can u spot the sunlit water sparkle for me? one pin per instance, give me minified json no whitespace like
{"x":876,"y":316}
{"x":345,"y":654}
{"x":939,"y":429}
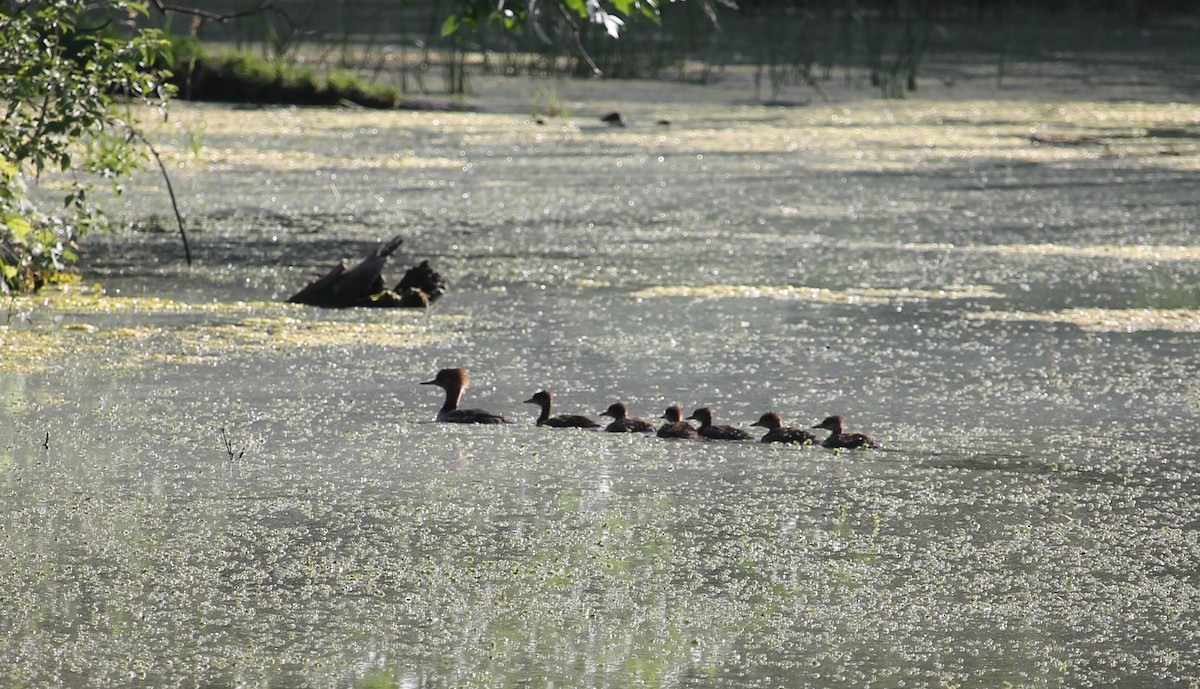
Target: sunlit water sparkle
{"x":997,"y":310}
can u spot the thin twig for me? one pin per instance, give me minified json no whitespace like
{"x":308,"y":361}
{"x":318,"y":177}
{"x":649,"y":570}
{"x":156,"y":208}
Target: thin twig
{"x":263,"y":7}
{"x":233,"y":456}
{"x":187,"y":252}
{"x":579,"y":49}
{"x":90,"y":30}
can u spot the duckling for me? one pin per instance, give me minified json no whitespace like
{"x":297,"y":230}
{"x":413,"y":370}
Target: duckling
{"x":623,"y":423}
{"x":778,"y":433}
{"x":676,"y":427}
{"x":712,"y":432}
{"x":543,"y":400}
{"x":839,"y":438}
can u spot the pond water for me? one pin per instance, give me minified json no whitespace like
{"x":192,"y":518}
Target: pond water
{"x":1003,"y":288}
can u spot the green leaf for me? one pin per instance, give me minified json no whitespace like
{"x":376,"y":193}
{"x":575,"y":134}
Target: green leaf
{"x":650,"y":11}
{"x":451,"y":25}
{"x":578,"y":6}
{"x":18,"y":227}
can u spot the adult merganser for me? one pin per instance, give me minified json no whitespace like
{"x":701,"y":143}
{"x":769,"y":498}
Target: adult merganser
{"x":840,"y":439}
{"x":453,"y":380}
{"x":676,"y":427}
{"x":778,"y":433}
{"x":622,"y":423}
{"x":708,"y":430}
{"x":543,"y":399}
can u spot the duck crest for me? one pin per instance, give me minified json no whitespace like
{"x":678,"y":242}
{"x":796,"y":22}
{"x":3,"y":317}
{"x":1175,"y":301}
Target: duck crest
{"x":454,"y":381}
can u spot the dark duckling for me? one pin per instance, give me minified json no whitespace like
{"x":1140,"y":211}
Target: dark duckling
{"x":453,"y":381}
{"x":716,"y":432}
{"x":613,"y":119}
{"x":839,"y":438}
{"x":623,"y":423}
{"x":778,"y":433}
{"x":676,"y":427}
{"x":543,"y":400}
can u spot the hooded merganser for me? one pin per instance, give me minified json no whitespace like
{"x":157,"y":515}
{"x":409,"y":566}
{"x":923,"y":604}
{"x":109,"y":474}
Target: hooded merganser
{"x":622,"y":423}
{"x":838,"y":438}
{"x":712,"y":432}
{"x":676,"y":427}
{"x":542,"y":399}
{"x":778,"y":433}
{"x":453,"y":380}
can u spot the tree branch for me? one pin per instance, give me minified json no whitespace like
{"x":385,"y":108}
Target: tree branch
{"x":263,"y":6}
{"x":579,"y":49}
{"x":187,"y":252}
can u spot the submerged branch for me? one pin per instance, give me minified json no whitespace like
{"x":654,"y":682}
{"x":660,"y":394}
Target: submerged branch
{"x":187,"y":252}
{"x":234,"y":455}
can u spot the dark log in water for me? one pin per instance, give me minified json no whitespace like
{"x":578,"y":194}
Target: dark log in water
{"x":363,"y":285}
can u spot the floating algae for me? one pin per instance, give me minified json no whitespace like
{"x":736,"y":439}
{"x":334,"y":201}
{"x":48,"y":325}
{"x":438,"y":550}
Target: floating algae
{"x":28,"y":351}
{"x":93,"y":299}
{"x":1106,"y":320}
{"x":284,"y":332}
{"x":853,"y":295}
{"x":274,"y":326}
{"x":1134,"y":252}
